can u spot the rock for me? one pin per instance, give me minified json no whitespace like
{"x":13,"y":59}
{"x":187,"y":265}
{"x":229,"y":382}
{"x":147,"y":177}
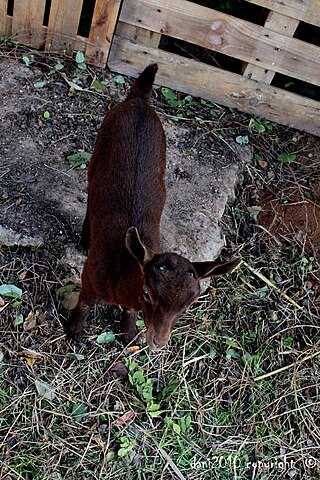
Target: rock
{"x":11,"y":238}
{"x":198,"y":189}
{"x":73,"y":259}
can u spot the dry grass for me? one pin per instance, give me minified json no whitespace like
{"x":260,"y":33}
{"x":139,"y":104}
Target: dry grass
{"x":216,"y":415}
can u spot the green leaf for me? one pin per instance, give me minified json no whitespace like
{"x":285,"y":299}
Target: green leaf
{"x":100,"y":86}
{"x":288,"y":84}
{"x":68,"y":295}
{"x":46,"y":114}
{"x":126,"y":446}
{"x":176,"y":428}
{"x":79,"y":57}
{"x":58,"y":66}
{"x":78,"y":411}
{"x":231,"y":343}
{"x":189,"y":99}
{"x":155,"y":414}
{"x":45,"y":389}
{"x":287,"y":157}
{"x":16,"y":304}
{"x":138,"y":377}
{"x":248,"y":358}
{"x":10,"y":291}
{"x":39,"y":84}
{"x":119,"y":80}
{"x":132,"y":365}
{"x":76,"y":356}
{"x":71,"y":287}
{"x":153,"y":407}
{"x":242,"y":139}
{"x":106,"y":337}
{"x":256,"y":125}
{"x":18,"y":320}
{"x":230,"y":353}
{"x":122,"y":452}
{"x":79,"y":159}
{"x":169,"y":94}
{"x":172,"y":98}
{"x":27,"y":59}
{"x":81,"y":66}
{"x":188,"y":420}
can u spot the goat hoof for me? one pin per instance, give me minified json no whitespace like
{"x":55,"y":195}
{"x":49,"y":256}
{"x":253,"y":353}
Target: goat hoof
{"x":72,"y":331}
{"x":129,"y":336}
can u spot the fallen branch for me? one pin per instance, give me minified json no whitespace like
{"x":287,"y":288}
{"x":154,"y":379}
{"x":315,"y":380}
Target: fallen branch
{"x":282,"y":369}
{"x":272,"y":285}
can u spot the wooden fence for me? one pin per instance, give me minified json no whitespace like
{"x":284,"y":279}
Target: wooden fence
{"x":133,"y":40}
{"x":61,"y":33}
{"x":264,"y":50}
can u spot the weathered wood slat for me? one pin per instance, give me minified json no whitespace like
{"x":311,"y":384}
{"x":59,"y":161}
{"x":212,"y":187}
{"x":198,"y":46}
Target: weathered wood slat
{"x":226,"y":34}
{"x":305,"y":10}
{"x":102,"y":28}
{"x":278,"y":23}
{"x":138,"y":35}
{"x":63,"y":24}
{"x":9,"y":27}
{"x":223,"y":87}
{"x":3,"y":16}
{"x":27,"y":22}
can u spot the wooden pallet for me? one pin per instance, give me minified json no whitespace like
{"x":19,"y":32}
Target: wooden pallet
{"x":26,"y":26}
{"x":264,"y":50}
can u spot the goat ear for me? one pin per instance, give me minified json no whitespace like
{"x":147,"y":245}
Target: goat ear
{"x":137,"y":249}
{"x":215,"y":268}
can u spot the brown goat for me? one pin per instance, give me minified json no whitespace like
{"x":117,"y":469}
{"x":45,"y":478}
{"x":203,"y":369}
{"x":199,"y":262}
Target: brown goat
{"x":121,"y":230}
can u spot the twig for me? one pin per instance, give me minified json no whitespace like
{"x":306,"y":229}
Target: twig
{"x":272,"y":285}
{"x":282,"y":369}
{"x":170,"y":462}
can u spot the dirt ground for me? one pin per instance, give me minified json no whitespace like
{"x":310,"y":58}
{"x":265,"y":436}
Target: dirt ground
{"x":262,"y":318}
{"x":44,"y":198}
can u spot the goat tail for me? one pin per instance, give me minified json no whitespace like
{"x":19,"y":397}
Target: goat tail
{"x":143,"y":85}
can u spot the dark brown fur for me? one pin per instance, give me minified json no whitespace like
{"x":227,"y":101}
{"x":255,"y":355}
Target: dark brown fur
{"x":126,"y":196}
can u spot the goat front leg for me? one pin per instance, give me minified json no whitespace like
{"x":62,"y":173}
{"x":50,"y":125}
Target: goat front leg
{"x":128,"y":325}
{"x":77,"y":320}
{"x":80,"y":313}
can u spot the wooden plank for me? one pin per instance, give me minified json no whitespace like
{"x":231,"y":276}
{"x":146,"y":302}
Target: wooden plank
{"x":305,"y":10}
{"x":278,"y":23}
{"x":3,"y":16}
{"x":226,"y":88}
{"x":27,"y":22}
{"x":102,"y":29}
{"x":9,"y":26}
{"x":226,"y":34}
{"x":138,"y":35}
{"x":63,"y":25}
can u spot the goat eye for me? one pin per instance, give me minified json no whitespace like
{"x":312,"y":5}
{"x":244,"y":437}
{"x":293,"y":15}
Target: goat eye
{"x":191,"y":274}
{"x":146,"y":296}
{"x":164,"y":266}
